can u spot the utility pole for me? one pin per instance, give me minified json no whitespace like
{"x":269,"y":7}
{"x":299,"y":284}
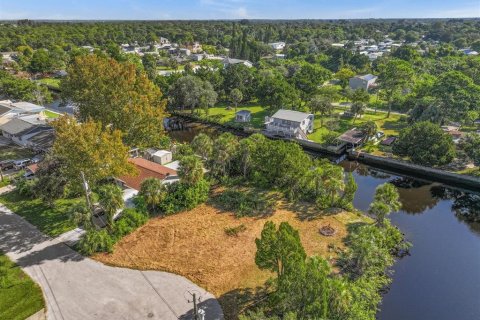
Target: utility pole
{"x":195,"y":307}
{"x":87,"y":194}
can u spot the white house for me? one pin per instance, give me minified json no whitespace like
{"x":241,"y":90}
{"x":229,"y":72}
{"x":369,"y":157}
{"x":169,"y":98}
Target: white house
{"x":290,"y":124}
{"x":231,"y":61}
{"x":277,"y":45}
{"x":362,"y":82}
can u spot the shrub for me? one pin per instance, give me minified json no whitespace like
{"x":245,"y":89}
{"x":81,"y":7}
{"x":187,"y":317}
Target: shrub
{"x":25,"y":187}
{"x":130,"y":220}
{"x":245,"y":203}
{"x":96,"y":241}
{"x":181,"y":196}
{"x":234,"y":231}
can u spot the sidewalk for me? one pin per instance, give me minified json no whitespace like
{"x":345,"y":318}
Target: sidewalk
{"x":76,"y":287}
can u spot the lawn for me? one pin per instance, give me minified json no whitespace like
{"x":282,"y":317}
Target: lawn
{"x":390,"y":126}
{"x":195,"y":244}
{"x":52,"y":221}
{"x":50,"y":82}
{"x":51,"y":115}
{"x":222,"y":114}
{"x":20,"y":297}
{"x":14,"y":152}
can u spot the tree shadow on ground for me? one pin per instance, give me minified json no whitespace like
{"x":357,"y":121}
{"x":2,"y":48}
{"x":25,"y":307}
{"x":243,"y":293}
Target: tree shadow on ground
{"x":237,"y":301}
{"x":249,"y":202}
{"x":306,"y":211}
{"x":393,"y":125}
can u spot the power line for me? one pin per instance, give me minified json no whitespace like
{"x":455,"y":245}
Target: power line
{"x":129,"y":257}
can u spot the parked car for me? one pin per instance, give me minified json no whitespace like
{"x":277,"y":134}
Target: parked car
{"x":7,"y":164}
{"x":21,"y":164}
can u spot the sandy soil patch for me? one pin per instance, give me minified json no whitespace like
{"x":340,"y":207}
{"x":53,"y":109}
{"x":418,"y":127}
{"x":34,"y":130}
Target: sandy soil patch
{"x":194,"y":244}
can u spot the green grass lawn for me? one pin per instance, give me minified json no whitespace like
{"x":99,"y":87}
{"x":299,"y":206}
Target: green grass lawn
{"x":390,"y":126}
{"x":52,"y":221}
{"x":14,"y":152}
{"x":20,"y":297}
{"x":221,"y":114}
{"x":51,"y":82}
{"x":51,"y":115}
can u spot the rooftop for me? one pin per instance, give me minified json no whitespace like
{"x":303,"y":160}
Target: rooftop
{"x":243,"y":112}
{"x":291,"y":115}
{"x":27,"y":106}
{"x":354,"y":136}
{"x":20,"y":125}
{"x":368,"y":77}
{"x":146,"y":169}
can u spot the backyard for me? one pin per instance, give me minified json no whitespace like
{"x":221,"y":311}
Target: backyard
{"x":224,"y":113}
{"x":20,"y":297}
{"x":216,"y":250}
{"x":52,"y":221}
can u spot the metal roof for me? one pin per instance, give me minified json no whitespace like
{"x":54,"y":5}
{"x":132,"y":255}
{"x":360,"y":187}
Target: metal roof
{"x":291,"y":115}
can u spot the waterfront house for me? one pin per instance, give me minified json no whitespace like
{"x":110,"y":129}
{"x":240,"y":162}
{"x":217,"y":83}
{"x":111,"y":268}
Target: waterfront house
{"x":243,"y":116}
{"x":363,"y":82}
{"x":290,"y":124}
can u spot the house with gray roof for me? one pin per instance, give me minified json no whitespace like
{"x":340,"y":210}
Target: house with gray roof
{"x":362,"y":82}
{"x":231,"y":61}
{"x":290,"y":124}
{"x":20,"y":128}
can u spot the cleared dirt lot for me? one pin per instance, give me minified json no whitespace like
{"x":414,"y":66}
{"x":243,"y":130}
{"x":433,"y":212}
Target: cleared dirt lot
{"x":194,"y":244}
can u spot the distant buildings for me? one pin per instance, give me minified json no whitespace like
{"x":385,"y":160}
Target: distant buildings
{"x":277,"y":45}
{"x":231,"y":61}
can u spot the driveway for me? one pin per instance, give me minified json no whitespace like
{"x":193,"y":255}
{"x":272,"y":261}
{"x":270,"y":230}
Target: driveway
{"x":76,"y":287}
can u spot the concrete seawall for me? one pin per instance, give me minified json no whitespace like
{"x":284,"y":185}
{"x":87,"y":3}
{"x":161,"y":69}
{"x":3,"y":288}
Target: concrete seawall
{"x":417,"y":171}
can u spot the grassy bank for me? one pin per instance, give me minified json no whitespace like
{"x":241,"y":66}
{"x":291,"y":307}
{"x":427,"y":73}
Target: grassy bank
{"x":52,"y":221}
{"x":20,"y":297}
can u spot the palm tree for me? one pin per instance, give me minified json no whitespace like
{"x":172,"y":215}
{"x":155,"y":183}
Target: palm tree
{"x":153,"y":192}
{"x":190,"y":170}
{"x":357,"y":109}
{"x":110,"y":197}
{"x":202,"y":145}
{"x":236,"y":96}
{"x":369,"y":128}
{"x":81,"y":215}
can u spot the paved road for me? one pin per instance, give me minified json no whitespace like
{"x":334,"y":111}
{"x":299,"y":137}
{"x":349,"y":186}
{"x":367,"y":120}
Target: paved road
{"x":76,"y":287}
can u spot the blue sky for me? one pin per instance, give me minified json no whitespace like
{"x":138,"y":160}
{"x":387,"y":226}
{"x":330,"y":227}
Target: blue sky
{"x":236,"y":9}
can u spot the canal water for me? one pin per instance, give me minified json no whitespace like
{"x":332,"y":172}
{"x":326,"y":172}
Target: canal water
{"x":440,"y":279}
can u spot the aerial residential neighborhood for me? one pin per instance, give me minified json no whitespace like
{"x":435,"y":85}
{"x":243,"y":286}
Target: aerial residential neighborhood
{"x":250,"y":160}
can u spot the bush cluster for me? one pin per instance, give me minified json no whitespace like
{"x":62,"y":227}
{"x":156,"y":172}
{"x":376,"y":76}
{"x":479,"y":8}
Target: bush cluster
{"x":103,"y":240}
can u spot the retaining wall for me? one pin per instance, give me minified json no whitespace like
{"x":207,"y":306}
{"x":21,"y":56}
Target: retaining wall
{"x":417,"y":171}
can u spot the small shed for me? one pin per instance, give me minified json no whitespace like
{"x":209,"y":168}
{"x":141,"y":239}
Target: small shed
{"x":162,"y":157}
{"x":243,"y":116}
{"x":388,"y":141}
